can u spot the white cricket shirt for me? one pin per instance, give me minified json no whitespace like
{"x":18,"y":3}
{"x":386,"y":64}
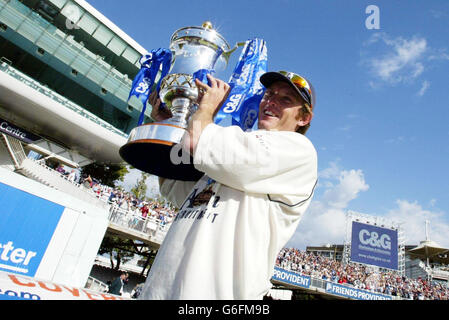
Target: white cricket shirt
{"x":233,"y":222}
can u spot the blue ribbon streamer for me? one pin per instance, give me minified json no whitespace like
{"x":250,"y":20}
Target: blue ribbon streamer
{"x":202,"y":75}
{"x":142,"y":85}
{"x":246,"y":91}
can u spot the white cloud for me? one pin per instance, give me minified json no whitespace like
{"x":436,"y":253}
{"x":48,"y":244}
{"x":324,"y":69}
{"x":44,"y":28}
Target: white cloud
{"x":404,"y":60}
{"x":345,"y":128}
{"x":413,"y":217}
{"x":437,"y":14}
{"x":325,"y":220}
{"x":351,"y":183}
{"x":332,"y":172}
{"x":439,"y":55}
{"x":424,"y":87}
{"x":433,"y":202}
{"x":396,"y":140}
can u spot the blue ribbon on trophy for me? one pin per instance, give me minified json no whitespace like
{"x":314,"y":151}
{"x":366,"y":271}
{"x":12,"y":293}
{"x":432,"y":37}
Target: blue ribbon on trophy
{"x":246,"y":91}
{"x":202,"y":75}
{"x":143,"y":83}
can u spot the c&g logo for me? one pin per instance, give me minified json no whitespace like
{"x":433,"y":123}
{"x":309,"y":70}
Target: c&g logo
{"x":374,"y":240}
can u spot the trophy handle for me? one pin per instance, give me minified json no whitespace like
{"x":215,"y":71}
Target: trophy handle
{"x":227,"y":54}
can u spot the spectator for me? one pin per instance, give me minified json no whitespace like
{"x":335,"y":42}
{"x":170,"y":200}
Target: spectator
{"x":96,"y":188}
{"x":72,"y":176}
{"x":118,"y":284}
{"x":145,"y":211}
{"x":87,"y":182}
{"x":60,"y":169}
{"x":112,"y":196}
{"x":125,"y":205}
{"x":137,"y":290}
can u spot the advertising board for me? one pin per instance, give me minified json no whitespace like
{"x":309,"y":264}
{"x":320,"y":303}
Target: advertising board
{"x":374,"y":245}
{"x":27,"y":224}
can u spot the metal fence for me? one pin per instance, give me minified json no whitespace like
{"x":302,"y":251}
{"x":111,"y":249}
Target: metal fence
{"x":96,"y":285}
{"x":133,"y":220}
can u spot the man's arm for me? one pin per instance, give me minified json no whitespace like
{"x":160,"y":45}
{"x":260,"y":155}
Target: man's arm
{"x":211,"y":100}
{"x":266,"y":162}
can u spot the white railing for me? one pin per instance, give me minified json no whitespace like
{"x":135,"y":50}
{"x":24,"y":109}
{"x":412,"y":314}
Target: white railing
{"x":440,"y":273}
{"x":128,"y":219}
{"x":15,"y":149}
{"x":96,"y":285}
{"x":38,"y":171}
{"x":133,"y":220}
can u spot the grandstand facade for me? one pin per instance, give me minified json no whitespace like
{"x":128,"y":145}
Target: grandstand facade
{"x":66,"y":73}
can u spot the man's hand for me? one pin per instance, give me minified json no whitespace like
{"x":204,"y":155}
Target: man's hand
{"x":210,"y":101}
{"x":212,"y":96}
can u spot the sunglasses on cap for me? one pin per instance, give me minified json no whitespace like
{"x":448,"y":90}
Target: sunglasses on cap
{"x":305,"y":89}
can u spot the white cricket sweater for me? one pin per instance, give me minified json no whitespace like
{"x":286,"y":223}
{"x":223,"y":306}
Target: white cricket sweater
{"x":232,"y":223}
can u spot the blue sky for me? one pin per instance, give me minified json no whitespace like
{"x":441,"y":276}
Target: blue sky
{"x":381,"y":119}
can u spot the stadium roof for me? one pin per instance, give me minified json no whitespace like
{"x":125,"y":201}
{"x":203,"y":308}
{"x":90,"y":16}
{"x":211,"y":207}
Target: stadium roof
{"x":428,"y":249}
{"x":108,"y":23}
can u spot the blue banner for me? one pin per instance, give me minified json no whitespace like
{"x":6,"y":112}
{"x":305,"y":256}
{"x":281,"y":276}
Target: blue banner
{"x":143,"y":83}
{"x":353,"y":293}
{"x":246,"y":91}
{"x":291,"y":278}
{"x":27,"y":224}
{"x":374,"y":245}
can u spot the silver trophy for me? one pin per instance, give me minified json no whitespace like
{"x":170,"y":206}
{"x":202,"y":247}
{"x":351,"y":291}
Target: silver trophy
{"x":152,"y":147}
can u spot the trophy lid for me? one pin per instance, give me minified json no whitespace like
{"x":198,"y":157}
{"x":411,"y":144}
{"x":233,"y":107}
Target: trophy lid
{"x":206,"y":33}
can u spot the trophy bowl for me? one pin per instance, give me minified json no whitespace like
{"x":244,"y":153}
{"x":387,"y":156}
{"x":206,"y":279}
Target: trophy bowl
{"x":154,"y":147}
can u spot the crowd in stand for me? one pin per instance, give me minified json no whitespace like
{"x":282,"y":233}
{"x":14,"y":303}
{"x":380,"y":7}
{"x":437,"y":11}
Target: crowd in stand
{"x":360,"y":276}
{"x":132,"y":205}
{"x":128,"y":203}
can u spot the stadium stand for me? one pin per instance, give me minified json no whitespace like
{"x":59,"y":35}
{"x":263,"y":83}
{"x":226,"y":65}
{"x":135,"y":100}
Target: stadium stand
{"x":360,"y":276}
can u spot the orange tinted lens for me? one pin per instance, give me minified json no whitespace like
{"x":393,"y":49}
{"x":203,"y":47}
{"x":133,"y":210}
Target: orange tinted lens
{"x":300,"y":82}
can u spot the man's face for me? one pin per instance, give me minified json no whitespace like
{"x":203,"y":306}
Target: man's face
{"x":280,"y":107}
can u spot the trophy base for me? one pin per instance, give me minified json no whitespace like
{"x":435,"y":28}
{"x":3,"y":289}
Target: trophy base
{"x":149,"y":149}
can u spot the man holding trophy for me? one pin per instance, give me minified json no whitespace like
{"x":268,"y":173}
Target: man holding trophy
{"x":255,"y":189}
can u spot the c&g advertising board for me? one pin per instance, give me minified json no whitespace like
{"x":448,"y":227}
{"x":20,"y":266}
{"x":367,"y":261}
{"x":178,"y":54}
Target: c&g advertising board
{"x":374,"y":245}
{"x":27,"y":224}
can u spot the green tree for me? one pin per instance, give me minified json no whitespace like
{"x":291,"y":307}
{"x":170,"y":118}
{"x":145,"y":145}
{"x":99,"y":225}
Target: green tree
{"x":120,"y":249}
{"x":140,"y":189}
{"x":107,"y":174}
